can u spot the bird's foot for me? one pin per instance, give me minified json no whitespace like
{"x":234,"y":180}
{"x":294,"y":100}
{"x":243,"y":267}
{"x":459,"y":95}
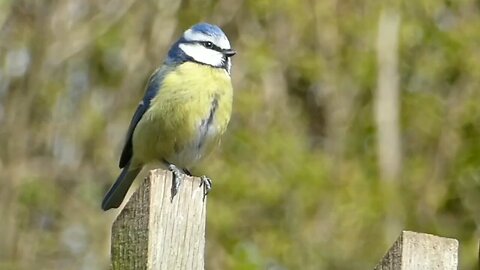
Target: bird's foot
{"x":176,"y":179}
{"x":207,"y":185}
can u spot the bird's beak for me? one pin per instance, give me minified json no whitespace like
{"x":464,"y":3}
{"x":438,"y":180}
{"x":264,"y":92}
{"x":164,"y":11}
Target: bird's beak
{"x":229,"y":52}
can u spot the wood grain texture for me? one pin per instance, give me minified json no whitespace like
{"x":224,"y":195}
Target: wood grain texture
{"x":420,"y":251}
{"x":153,"y":232}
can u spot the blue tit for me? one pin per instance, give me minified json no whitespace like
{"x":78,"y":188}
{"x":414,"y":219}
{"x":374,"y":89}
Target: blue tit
{"x":184,"y":112}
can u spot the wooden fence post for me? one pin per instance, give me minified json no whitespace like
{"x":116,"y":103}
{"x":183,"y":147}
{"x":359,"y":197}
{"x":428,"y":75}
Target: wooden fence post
{"x":153,"y":232}
{"x":420,"y":251}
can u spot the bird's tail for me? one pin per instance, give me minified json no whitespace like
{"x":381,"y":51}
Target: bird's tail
{"x":117,"y":192}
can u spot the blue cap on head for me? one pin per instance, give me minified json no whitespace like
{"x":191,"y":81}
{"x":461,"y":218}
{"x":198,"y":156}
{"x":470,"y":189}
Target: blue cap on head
{"x":207,"y":29}
{"x":207,"y":32}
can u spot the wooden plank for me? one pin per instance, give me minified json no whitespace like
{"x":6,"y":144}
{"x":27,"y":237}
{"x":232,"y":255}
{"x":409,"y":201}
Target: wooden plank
{"x":420,"y":251}
{"x":153,"y":232}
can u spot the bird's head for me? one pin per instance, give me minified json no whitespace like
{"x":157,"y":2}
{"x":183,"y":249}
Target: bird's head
{"x":205,"y":44}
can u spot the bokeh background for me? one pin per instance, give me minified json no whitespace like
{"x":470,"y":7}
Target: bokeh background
{"x":352,"y":121}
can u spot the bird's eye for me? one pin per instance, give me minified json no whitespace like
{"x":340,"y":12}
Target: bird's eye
{"x":208,"y":44}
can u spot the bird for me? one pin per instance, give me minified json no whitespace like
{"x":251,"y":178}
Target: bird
{"x":185,"y":110}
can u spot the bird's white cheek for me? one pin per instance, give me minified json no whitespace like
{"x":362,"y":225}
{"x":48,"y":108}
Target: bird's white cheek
{"x":202,"y":54}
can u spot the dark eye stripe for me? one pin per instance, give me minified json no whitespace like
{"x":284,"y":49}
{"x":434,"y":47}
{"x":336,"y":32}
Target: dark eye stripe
{"x":210,"y":45}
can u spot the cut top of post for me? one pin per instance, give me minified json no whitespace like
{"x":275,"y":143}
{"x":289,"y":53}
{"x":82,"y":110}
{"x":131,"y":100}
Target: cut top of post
{"x":420,"y":251}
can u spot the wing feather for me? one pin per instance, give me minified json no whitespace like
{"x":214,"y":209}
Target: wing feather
{"x":153,"y":86}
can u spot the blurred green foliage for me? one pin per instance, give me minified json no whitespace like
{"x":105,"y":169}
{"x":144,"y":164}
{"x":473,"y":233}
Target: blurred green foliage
{"x":297,"y":183}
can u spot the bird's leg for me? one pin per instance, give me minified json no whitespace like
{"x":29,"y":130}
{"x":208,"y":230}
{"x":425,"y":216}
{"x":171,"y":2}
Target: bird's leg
{"x":176,"y":179}
{"x":207,"y":185}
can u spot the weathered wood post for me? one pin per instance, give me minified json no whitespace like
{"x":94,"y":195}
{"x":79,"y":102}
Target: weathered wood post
{"x":154,"y":232}
{"x":420,"y":251}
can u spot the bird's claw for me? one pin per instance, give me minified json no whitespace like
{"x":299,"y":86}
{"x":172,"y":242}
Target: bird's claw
{"x":176,"y":180}
{"x":207,"y":185}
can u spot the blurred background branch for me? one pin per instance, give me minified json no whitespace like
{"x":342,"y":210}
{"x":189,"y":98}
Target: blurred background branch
{"x":387,"y":96}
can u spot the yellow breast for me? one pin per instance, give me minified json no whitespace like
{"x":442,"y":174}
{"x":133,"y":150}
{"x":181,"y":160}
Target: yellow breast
{"x":186,"y":118}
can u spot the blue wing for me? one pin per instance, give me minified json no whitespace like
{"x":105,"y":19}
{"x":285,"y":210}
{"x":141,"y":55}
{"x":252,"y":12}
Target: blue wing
{"x":153,"y":86}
